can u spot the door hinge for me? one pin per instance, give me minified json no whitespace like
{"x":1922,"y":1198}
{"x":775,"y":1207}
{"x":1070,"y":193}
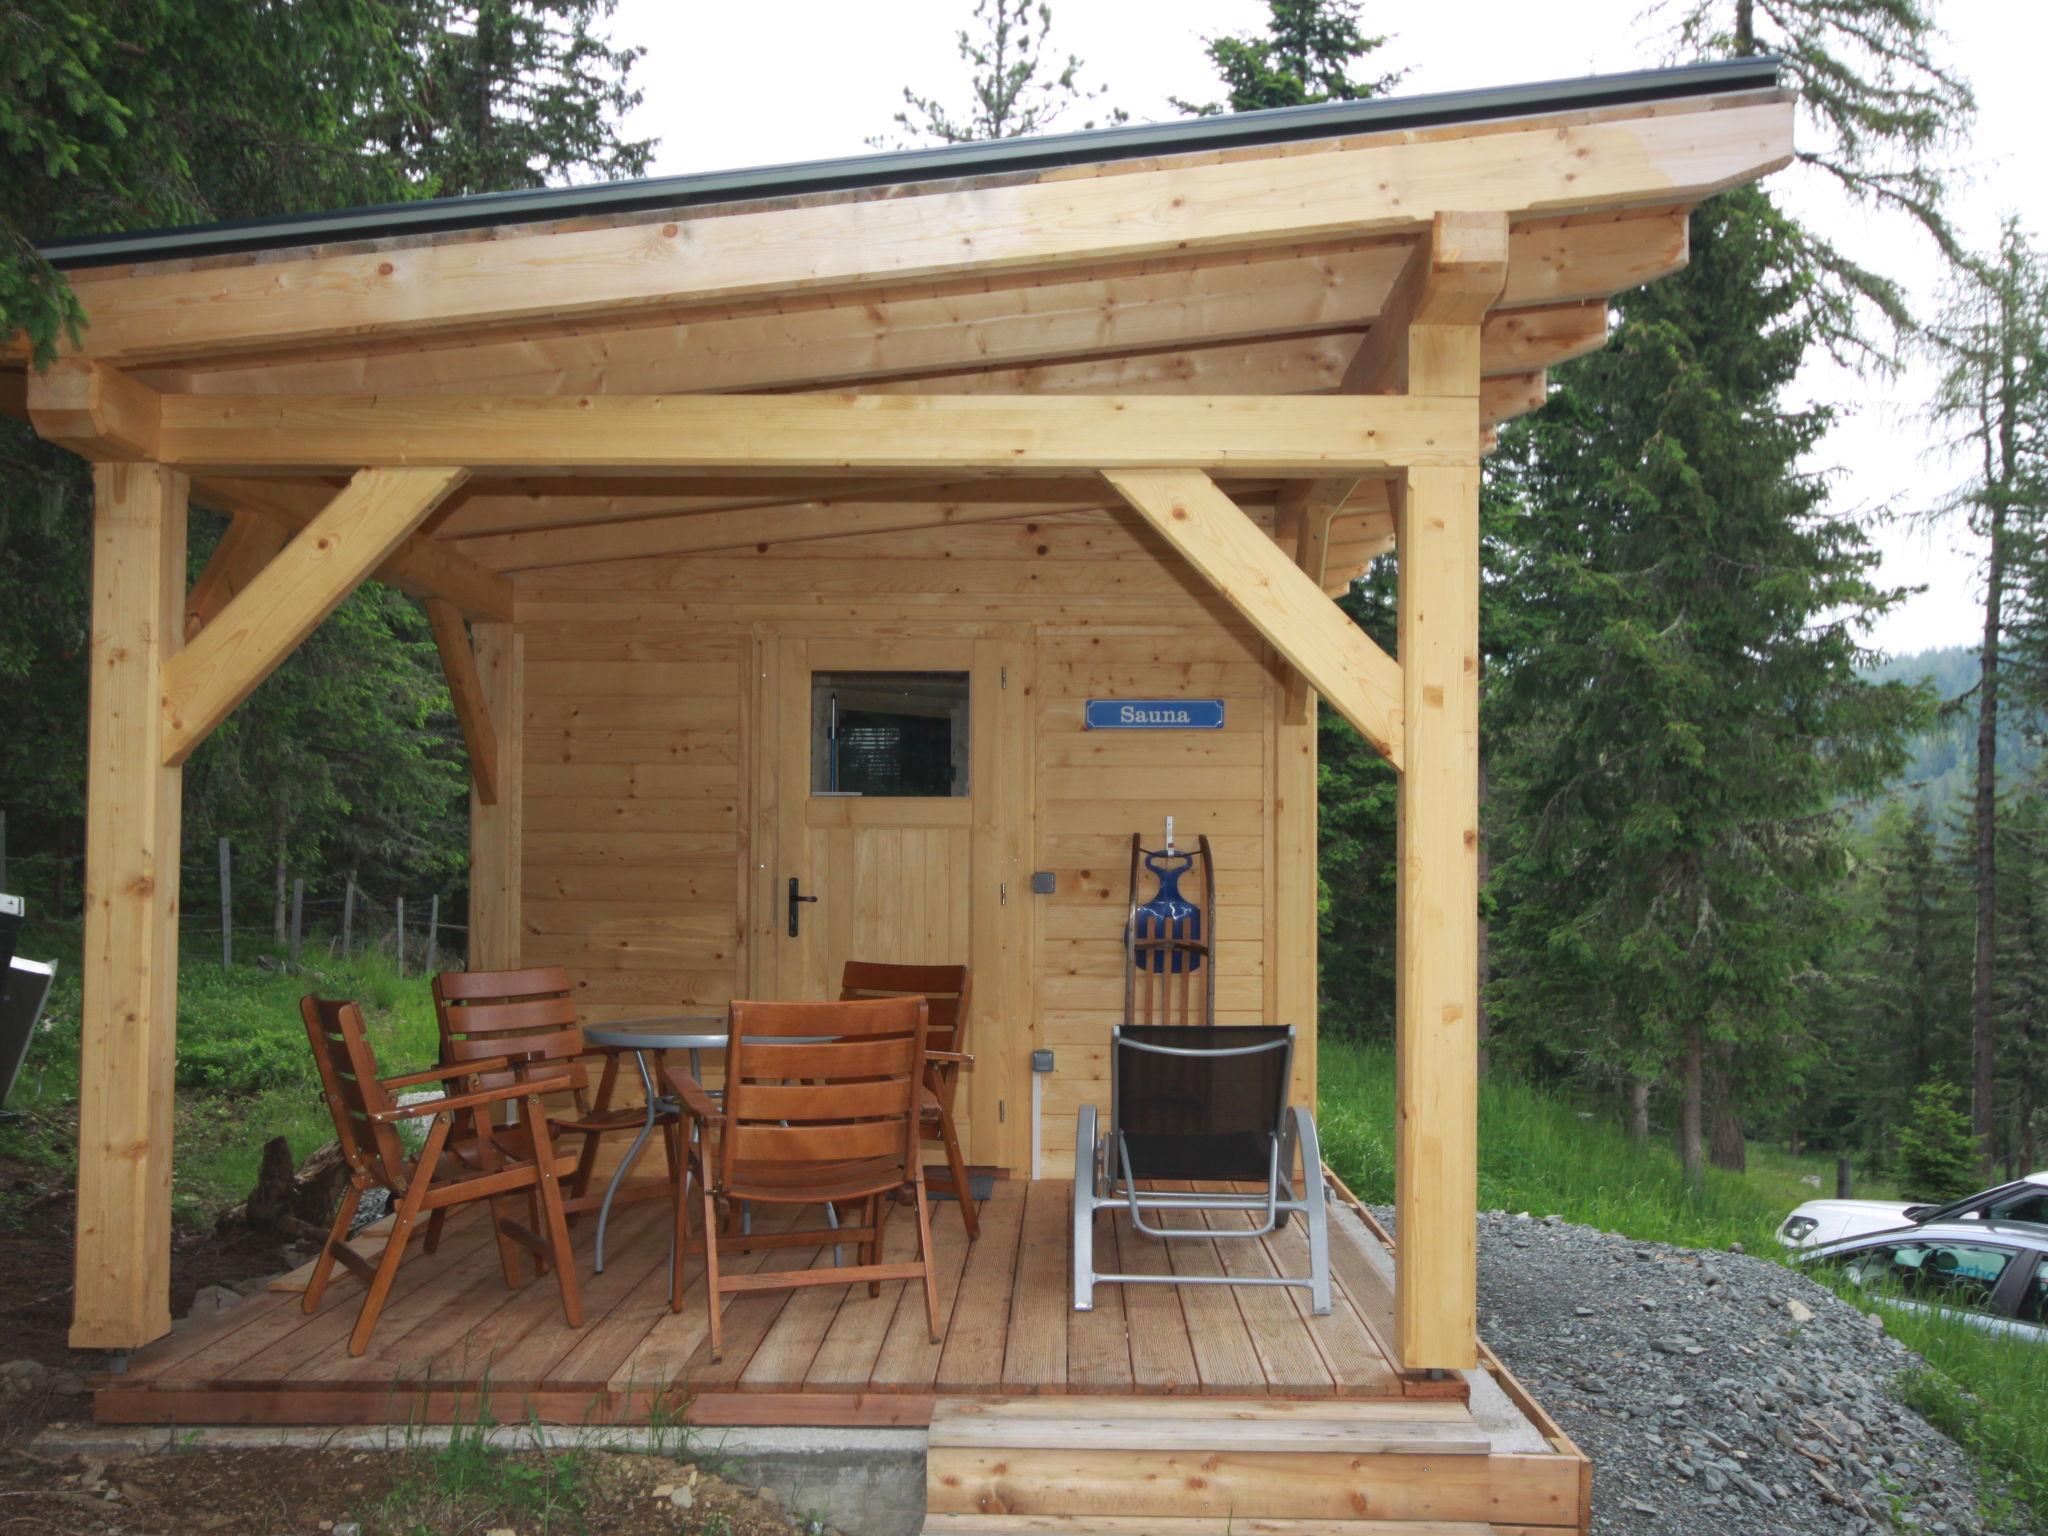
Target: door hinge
{"x":1002,"y":894}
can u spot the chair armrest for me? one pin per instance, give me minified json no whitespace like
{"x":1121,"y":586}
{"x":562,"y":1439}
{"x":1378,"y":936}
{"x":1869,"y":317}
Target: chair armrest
{"x":691,"y":1095}
{"x":477,"y":1100}
{"x":456,"y":1069}
{"x":960,"y":1058}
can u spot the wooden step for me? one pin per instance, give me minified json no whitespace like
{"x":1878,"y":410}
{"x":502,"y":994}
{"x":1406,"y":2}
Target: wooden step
{"x":1340,"y":1426}
{"x":1213,"y":1466}
{"x":1151,"y":1525}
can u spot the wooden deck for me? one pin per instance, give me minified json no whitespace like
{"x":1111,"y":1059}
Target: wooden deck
{"x":454,"y":1337}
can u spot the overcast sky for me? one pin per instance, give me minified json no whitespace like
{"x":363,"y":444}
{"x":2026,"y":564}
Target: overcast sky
{"x":783,"y":80}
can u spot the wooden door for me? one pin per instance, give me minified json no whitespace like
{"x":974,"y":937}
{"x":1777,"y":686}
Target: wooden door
{"x":906,"y":855}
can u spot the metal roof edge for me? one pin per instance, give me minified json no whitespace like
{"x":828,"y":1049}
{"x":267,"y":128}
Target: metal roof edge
{"x":1275,"y":126}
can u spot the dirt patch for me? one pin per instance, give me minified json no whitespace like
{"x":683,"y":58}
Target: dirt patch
{"x":465,"y":1488}
{"x":36,"y":1221}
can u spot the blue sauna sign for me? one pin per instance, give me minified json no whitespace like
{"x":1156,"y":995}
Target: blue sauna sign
{"x":1155,"y":715}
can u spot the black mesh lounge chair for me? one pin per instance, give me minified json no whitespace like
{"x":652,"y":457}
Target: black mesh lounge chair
{"x":1205,"y":1104}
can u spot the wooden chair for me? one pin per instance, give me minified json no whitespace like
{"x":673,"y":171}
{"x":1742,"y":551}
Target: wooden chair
{"x":528,"y":1017}
{"x":366,"y":1119}
{"x":948,"y":989}
{"x":820,"y":1106}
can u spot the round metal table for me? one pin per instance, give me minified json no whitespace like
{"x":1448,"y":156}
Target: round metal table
{"x":646,"y":1038}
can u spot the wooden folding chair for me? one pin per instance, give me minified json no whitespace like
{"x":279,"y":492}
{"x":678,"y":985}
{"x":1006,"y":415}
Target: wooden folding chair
{"x":529,"y":1018}
{"x":947,"y":989}
{"x":366,"y":1118}
{"x":820,"y":1107}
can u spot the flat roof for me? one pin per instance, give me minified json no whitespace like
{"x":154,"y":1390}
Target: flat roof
{"x":1190,"y":135}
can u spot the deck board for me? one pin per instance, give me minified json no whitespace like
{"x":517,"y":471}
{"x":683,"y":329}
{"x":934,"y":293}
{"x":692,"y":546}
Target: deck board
{"x":452,"y":1331}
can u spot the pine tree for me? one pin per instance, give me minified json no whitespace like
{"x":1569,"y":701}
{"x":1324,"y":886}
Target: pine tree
{"x":516,"y":93}
{"x":1016,"y":87}
{"x":1680,"y":706}
{"x":1305,"y":55}
{"x":1937,"y":1149}
{"x":130,"y":113}
{"x":1994,"y":395}
{"x":1880,"y":107}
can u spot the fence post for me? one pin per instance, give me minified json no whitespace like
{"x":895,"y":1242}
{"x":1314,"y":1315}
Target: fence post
{"x":227,"y":909}
{"x":433,"y":926}
{"x":3,"y":850}
{"x":398,"y":939}
{"x":348,"y":913}
{"x":298,"y":911}
{"x":1841,"y":1178}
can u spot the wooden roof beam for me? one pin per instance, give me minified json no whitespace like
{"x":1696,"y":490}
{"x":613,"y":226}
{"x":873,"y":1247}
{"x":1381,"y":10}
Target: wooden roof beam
{"x":831,"y":433}
{"x":918,"y":334}
{"x":95,"y":411}
{"x":1669,"y":153}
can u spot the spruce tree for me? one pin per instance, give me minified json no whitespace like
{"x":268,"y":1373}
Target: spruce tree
{"x":1305,"y":55}
{"x":1016,"y":86}
{"x":1680,"y":707}
{"x":1993,"y":397}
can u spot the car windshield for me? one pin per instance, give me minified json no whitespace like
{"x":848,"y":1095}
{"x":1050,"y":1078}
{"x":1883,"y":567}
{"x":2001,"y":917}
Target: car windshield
{"x":1988,"y":1202}
{"x":1951,"y":1274}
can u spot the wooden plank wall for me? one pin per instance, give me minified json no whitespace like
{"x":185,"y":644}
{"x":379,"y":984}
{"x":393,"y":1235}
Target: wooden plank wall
{"x":636,"y":779}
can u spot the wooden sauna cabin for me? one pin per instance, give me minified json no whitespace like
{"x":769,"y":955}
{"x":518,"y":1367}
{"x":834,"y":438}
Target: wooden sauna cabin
{"x":710,"y":483}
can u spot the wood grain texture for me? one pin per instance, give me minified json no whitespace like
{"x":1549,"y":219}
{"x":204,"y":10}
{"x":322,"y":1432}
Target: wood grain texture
{"x":128,"y":1023}
{"x":1607,"y":160}
{"x":837,"y":433}
{"x":1283,"y":603}
{"x":467,"y":692}
{"x":307,"y":580}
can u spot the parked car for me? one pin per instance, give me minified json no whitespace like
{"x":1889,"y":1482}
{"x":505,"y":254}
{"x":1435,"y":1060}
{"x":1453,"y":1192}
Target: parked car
{"x":1819,"y":1222}
{"x":1830,"y":1221}
{"x":1992,"y":1274}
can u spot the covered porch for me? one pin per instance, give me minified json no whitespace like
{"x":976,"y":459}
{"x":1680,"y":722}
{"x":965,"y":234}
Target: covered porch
{"x":1059,"y":421}
{"x":1286,"y":1413}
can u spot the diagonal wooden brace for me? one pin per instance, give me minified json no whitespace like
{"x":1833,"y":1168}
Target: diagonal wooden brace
{"x":310,"y":577}
{"x":1257,"y":578}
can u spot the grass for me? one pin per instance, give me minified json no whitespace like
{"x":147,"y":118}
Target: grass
{"x":1539,"y":1152}
{"x":469,"y":1484}
{"x":244,"y":1073}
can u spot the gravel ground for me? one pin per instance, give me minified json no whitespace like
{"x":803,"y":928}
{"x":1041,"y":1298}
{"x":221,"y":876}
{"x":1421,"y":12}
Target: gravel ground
{"x":1716,"y":1393}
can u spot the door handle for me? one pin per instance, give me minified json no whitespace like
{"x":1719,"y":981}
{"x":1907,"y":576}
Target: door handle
{"x":794,"y":900}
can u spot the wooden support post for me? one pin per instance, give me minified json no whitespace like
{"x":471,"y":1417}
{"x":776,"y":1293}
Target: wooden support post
{"x":348,"y":916}
{"x":121,"y":1290}
{"x":227,"y":907}
{"x":495,"y":830}
{"x":433,"y":927}
{"x":398,"y":936}
{"x":298,"y":916}
{"x":3,"y":850}
{"x":1436,"y":975}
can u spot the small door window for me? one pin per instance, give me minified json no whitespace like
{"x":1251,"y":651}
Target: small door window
{"x":889,"y":734}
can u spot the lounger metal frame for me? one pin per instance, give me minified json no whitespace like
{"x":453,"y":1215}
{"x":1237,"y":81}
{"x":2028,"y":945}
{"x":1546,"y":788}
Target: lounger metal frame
{"x":1103,"y":1180}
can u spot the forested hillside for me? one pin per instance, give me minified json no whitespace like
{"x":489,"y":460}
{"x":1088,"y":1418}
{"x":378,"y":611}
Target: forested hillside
{"x":1941,"y":757}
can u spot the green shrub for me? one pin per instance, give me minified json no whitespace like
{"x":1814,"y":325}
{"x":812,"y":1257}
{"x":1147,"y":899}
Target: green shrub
{"x":1937,"y":1152}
